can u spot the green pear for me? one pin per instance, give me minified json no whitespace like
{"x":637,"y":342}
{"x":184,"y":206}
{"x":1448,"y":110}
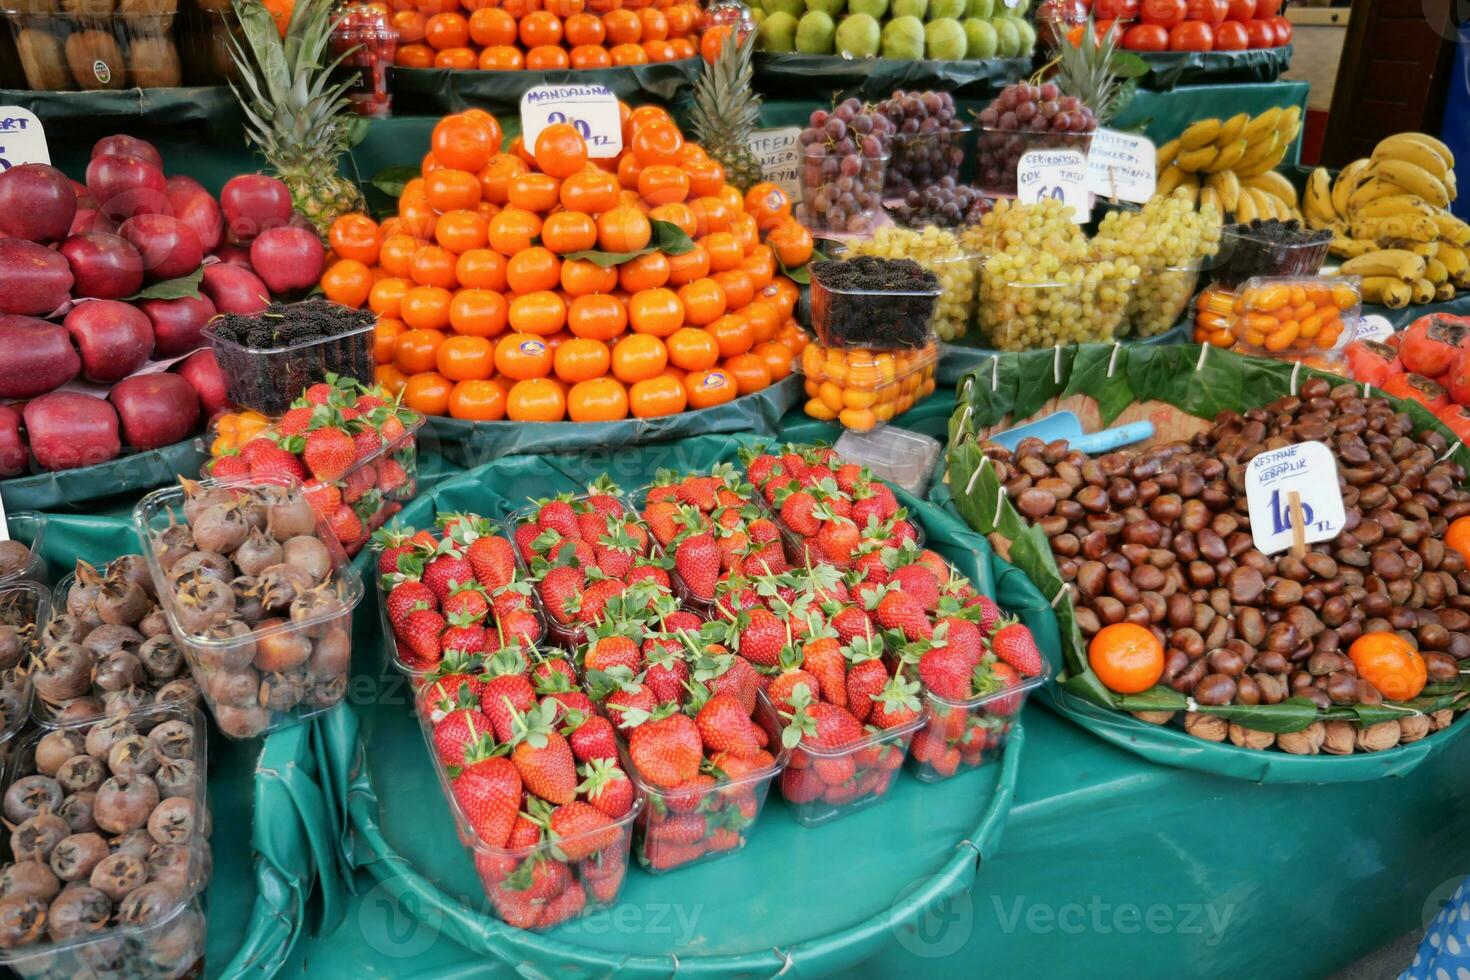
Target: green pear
{"x":814,"y":33}
{"x":1028,"y":35}
{"x":873,"y":8}
{"x":793,"y":7}
{"x":953,"y":9}
{"x":980,"y":39}
{"x":984,"y":9}
{"x":829,"y":7}
{"x":903,"y":37}
{"x":778,"y":32}
{"x":944,"y":40}
{"x":910,"y":8}
{"x":1008,"y":37}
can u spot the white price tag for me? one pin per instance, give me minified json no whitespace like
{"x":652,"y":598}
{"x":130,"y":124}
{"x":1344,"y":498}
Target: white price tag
{"x":22,"y":139}
{"x":1060,"y":174}
{"x":1306,"y":468}
{"x":779,"y":153}
{"x":593,"y":109}
{"x":1374,"y":327}
{"x":1121,"y":166}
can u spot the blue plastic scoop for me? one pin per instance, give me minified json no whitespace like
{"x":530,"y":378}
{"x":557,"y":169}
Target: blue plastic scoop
{"x":1066,"y":425}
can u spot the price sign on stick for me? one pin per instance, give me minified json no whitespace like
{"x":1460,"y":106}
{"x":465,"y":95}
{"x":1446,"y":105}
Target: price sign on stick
{"x":1059,"y":174}
{"x":1121,"y":166}
{"x":1293,"y":497}
{"x":592,"y":109}
{"x":779,"y":153}
{"x":22,"y":140}
{"x":1374,"y":327}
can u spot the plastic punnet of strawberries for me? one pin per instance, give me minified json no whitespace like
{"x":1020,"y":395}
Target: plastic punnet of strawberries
{"x":537,"y":788}
{"x":352,"y":448}
{"x":459,"y":592}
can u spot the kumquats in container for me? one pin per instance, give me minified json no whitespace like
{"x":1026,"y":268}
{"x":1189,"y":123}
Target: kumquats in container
{"x":1275,"y":316}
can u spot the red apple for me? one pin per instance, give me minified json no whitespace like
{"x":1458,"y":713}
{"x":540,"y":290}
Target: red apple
{"x":195,"y":207}
{"x":105,"y":266}
{"x":91,"y":219}
{"x":235,"y":290}
{"x":169,"y":247}
{"x":13,"y":452}
{"x":36,"y":203}
{"x":202,"y":371}
{"x":37,"y":279}
{"x":127,"y":146}
{"x":177,"y":323}
{"x":287,"y":259}
{"x":253,"y":203}
{"x":234,"y":255}
{"x":156,"y":409}
{"x":35,"y":357}
{"x":127,"y":185}
{"x":114,"y":338}
{"x":69,"y":430}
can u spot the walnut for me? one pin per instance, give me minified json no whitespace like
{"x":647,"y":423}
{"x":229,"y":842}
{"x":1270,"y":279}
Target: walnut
{"x":1308,"y":741}
{"x":1413,"y":727}
{"x":1340,"y":736}
{"x":1154,"y":717}
{"x":1208,"y":727}
{"x":1249,"y":738}
{"x":1442,"y":719}
{"x":1376,"y":738}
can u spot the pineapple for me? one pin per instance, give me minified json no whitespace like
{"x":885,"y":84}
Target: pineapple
{"x":725,"y":110}
{"x":295,"y":115}
{"x":1097,"y":73}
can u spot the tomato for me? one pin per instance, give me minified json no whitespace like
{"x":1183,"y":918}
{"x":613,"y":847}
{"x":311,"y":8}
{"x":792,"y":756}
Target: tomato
{"x":1192,"y":35}
{"x":1115,"y":9}
{"x":1261,"y":33}
{"x":1283,"y":30}
{"x":1146,"y":37}
{"x":1431,"y":343}
{"x":1241,"y":10}
{"x":1370,"y":361}
{"x":1425,"y":391}
{"x":1231,"y":36}
{"x":1266,"y":9}
{"x":1210,"y":12}
{"x":1165,"y":13}
{"x":1457,"y":419}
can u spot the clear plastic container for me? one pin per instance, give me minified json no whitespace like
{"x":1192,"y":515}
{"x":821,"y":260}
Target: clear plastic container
{"x":1246,"y":252}
{"x":269,"y":380}
{"x":905,"y":459}
{"x":596,"y":861}
{"x":840,"y":197}
{"x":21,"y":604}
{"x":1089,"y":307}
{"x":824,"y":785}
{"x":679,"y":828}
{"x":1295,"y":315}
{"x":917,"y":160}
{"x":29,"y":528}
{"x":245,"y":700}
{"x":999,"y":152}
{"x":959,"y":735}
{"x":168,"y":946}
{"x":1159,"y":297}
{"x":367,"y":44}
{"x":376,"y":486}
{"x":863,"y":388}
{"x":887,"y":320}
{"x":204,"y":44}
{"x":94,"y":49}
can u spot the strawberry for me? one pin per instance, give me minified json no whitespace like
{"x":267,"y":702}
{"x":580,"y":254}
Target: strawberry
{"x":699,"y":491}
{"x":592,"y":604}
{"x":466,"y":599}
{"x":581,"y":829}
{"x":612,"y":651}
{"x":553,"y":675}
{"x":506,"y":692}
{"x":762,"y":636}
{"x":1014,"y":644}
{"x":329,"y":453}
{"x":865,"y":680}
{"x":800,"y":785}
{"x":366,"y":442}
{"x":449,"y":692}
{"x":1001,"y":676}
{"x":961,"y":634}
{"x":295,"y":421}
{"x":444,"y":570}
{"x":646,"y":571}
{"x":457,"y":732}
{"x":357,"y":483}
{"x":519,"y":627}
{"x":837,"y":539}
{"x":848,"y":476}
{"x":769,"y":559}
{"x":556,"y":514}
{"x":543,"y":757}
{"x":591,"y":525}
{"x":602,"y":496}
{"x":229,"y":468}
{"x":489,"y":792}
{"x":392,"y":476}
{"x":798,"y":512}
{"x":665,"y":671}
{"x":896,"y":704}
{"x":406,"y":597}
{"x":592,"y":739}
{"x":565,"y":702}
{"x":393,"y":545}
{"x":759,"y":469}
{"x":563,"y":908}
{"x":851,"y":623}
{"x":523,"y":833}
{"x":558,"y":589}
{"x":273,"y":462}
{"x":628,"y":699}
{"x":346,"y":526}
{"x":920,"y":582}
{"x":819,"y":725}
{"x":525,"y":535}
{"x":666,"y":749}
{"x":697,"y":563}
{"x":946,"y":671}
{"x":420,"y":632}
{"x":607,"y":787}
{"x":319,"y":393}
{"x":463,"y":635}
{"x":989,"y":612}
{"x":738,"y":678}
{"x":894,"y":609}
{"x":787,"y":681}
{"x":822,"y":658}
{"x":662,"y":520}
{"x":724,"y":726}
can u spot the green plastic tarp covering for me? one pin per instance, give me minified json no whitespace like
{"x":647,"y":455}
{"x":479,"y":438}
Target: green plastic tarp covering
{"x":1200,"y":381}
{"x":279,"y":866}
{"x":131,"y":475}
{"x":731,"y":916}
{"x":468,"y":444}
{"x":435,"y":91}
{"x":1170,"y":68}
{"x":777,"y":75}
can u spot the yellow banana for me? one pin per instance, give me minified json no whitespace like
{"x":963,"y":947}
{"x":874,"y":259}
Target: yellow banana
{"x":1395,"y":229}
{"x":1347,"y":182}
{"x":1438,"y":147}
{"x":1267,"y":203}
{"x":1317,"y":200}
{"x":1383,"y":207}
{"x":1198,"y":135}
{"x":1169,"y":178}
{"x":1259,"y":150}
{"x":1404,"y":147}
{"x":1245,"y":207}
{"x":1290,"y":125}
{"x":1209,"y":196}
{"x":1425,"y":250}
{"x":1444,"y":291}
{"x":1189,"y":188}
{"x":1454,"y":260}
{"x":1452,"y":229}
{"x":1422,"y":291}
{"x":1451,"y":186}
{"x":1460,"y":276}
{"x":1277,"y":184}
{"x":1226,"y":158}
{"x":1257,"y":129}
{"x":1397,"y":262}
{"x":1387,"y":291}
{"x":1414,"y":179}
{"x":1227,"y":185}
{"x":1370,"y":190}
{"x":1193,"y":161}
{"x":1165,"y":155}
{"x":1350,"y":248}
{"x":1269,"y":162}
{"x":1231,"y":129}
{"x":1435,"y":272}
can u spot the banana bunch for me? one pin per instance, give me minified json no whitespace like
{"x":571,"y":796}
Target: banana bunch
{"x":1390,"y":220}
{"x":1231,"y":163}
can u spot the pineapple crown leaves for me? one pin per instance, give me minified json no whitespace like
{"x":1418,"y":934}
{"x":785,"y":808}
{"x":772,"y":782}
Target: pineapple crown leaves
{"x":1097,"y":72}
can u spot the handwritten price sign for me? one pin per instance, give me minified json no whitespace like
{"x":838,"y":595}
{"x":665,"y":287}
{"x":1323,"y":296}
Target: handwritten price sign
{"x":592,"y":109}
{"x":1307,"y":470}
{"x":1058,"y":174}
{"x":22,"y":140}
{"x":1121,"y":166}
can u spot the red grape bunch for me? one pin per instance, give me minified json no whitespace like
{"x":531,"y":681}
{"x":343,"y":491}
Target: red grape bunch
{"x":947,"y":204}
{"x":843,"y":157}
{"x":926,"y":146}
{"x":1029,"y":117}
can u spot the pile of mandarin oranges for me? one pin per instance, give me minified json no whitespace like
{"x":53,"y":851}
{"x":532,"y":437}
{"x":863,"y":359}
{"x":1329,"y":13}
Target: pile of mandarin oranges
{"x":485,"y":312}
{"x":540,"y":35}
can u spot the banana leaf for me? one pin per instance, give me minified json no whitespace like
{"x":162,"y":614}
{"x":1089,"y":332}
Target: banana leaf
{"x":435,"y":91}
{"x":1105,"y":383}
